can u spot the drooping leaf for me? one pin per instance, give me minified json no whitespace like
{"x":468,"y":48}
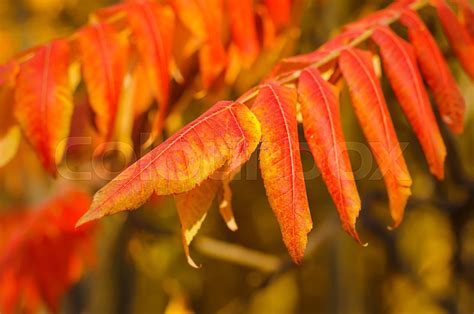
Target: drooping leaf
{"x":280,"y":12}
{"x":467,"y":16}
{"x":192,"y":209}
{"x":153,"y":26}
{"x":43,"y":101}
{"x":9,"y":130}
{"x":399,"y":63}
{"x":458,"y":36}
{"x":212,"y":55}
{"x":280,"y":163}
{"x":224,"y":197}
{"x":42,"y":254}
{"x":323,"y":132}
{"x":244,"y":34}
{"x":225,"y":135}
{"x":448,"y":97}
{"x":374,"y":118}
{"x":104,"y":56}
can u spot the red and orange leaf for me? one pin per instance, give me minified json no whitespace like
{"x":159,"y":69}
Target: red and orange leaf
{"x":192,"y":209}
{"x":280,"y":12}
{"x":374,"y":118}
{"x":280,"y":163}
{"x":153,"y":26}
{"x":42,"y":253}
{"x":244,"y":33}
{"x":104,"y":56}
{"x":458,"y":36}
{"x":323,"y":132}
{"x":212,"y":55}
{"x":399,"y":63}
{"x":43,"y":101}
{"x":447,"y":94}
{"x":10,"y":134}
{"x":467,"y":16}
{"x":225,"y":135}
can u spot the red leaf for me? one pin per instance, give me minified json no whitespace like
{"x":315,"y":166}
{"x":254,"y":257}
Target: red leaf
{"x":280,"y":163}
{"x":43,"y":99}
{"x":280,"y":12}
{"x":244,"y":34}
{"x":448,"y":97}
{"x":43,"y":254}
{"x":323,"y":131}
{"x":400,"y":65}
{"x":104,"y":56}
{"x":467,"y":16}
{"x":374,"y":118}
{"x":225,"y":135}
{"x":153,"y":28}
{"x":458,"y":36}
{"x":212,"y":56}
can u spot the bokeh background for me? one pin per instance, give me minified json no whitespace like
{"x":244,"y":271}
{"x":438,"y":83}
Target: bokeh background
{"x":425,"y":266}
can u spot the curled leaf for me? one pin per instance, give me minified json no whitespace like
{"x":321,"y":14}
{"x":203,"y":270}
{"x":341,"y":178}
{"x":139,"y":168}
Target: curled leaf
{"x":225,"y":135}
{"x":280,"y":163}
{"x":374,"y":118}
{"x":399,"y":63}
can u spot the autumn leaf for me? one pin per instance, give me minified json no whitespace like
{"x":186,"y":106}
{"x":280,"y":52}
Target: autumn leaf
{"x":104,"y":58}
{"x":458,"y":36}
{"x":399,"y":63}
{"x":225,"y":135}
{"x":280,"y":12}
{"x":212,"y":55}
{"x":42,"y":253}
{"x":244,"y":33}
{"x":10,"y":135}
{"x":153,"y":26}
{"x":467,"y":16}
{"x":323,"y":132}
{"x":280,"y":163}
{"x":192,"y":209}
{"x":374,"y":118}
{"x":43,"y":101}
{"x":448,"y":97}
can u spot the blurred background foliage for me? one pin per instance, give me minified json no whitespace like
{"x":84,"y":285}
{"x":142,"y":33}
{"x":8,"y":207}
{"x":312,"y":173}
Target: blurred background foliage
{"x":425,"y":266}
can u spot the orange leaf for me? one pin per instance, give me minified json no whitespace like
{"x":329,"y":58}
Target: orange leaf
{"x":467,"y":16}
{"x":399,"y":63}
{"x":280,"y":163}
{"x":374,"y":118}
{"x":153,"y":27}
{"x":192,"y":209}
{"x":280,"y":12}
{"x":212,"y":56}
{"x":323,"y":131}
{"x":9,"y":131}
{"x":225,"y":135}
{"x":448,"y":97}
{"x":244,"y":34}
{"x":458,"y":36}
{"x":104,"y":56}
{"x":42,"y":253}
{"x":43,"y":99}
{"x":224,"y":197}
